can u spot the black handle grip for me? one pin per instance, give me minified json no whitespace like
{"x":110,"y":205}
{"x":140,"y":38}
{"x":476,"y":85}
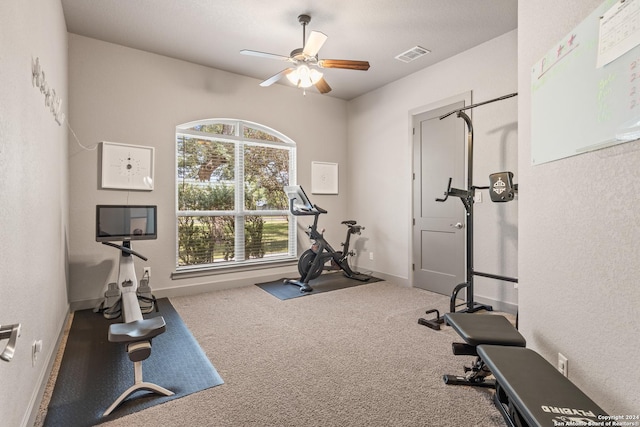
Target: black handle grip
{"x":126,"y":250}
{"x":446,"y":193}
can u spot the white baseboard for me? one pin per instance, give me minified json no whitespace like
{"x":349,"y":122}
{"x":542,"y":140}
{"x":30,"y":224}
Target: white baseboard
{"x":36,"y":398}
{"x":402,"y":281}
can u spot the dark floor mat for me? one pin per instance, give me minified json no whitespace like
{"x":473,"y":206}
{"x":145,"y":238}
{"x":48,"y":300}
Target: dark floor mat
{"x":94,"y":372}
{"x":324,"y":283}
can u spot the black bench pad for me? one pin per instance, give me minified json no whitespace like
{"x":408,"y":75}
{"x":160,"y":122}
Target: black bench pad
{"x":478,"y":329}
{"x":539,"y":392}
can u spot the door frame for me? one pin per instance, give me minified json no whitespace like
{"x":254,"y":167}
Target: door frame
{"x":467,"y":98}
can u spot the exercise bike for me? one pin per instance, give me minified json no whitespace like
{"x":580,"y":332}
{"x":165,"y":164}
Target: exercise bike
{"x":313,"y":261}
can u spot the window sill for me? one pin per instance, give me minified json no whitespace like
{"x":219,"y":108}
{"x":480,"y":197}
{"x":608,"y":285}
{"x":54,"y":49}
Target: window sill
{"x":192,"y":272}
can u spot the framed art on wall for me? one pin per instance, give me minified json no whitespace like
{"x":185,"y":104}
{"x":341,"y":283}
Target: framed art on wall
{"x":324,"y":178}
{"x":127,"y":167}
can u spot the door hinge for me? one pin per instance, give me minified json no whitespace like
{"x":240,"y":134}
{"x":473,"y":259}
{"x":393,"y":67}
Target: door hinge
{"x":413,"y":267}
{"x":414,"y":131}
{"x":414,"y":221}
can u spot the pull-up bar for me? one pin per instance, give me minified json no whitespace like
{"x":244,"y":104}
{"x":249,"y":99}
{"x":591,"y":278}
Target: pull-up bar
{"x":479,"y":104}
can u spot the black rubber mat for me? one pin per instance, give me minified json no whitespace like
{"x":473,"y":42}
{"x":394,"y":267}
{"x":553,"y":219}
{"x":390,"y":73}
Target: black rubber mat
{"x":326,"y":282}
{"x":94,"y":372}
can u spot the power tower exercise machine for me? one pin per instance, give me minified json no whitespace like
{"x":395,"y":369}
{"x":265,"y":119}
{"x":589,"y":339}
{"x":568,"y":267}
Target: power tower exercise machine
{"x":313,"y":261}
{"x":501,"y":189}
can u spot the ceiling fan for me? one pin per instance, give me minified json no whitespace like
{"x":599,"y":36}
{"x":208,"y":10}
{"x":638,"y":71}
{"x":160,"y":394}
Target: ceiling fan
{"x":303,"y":72}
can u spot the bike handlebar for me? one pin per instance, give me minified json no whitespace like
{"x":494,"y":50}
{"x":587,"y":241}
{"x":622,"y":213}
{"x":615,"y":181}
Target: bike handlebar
{"x":316,"y":210}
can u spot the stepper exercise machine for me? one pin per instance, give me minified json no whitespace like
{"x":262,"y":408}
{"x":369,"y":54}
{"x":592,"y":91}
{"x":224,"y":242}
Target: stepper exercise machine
{"x":126,"y":298}
{"x":313,"y":261}
{"x":501,"y":189}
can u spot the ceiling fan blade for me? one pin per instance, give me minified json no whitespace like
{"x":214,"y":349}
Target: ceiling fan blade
{"x":264,"y":55}
{"x":344,"y":63}
{"x":271,"y":80}
{"x":314,"y":43}
{"x":323,"y":86}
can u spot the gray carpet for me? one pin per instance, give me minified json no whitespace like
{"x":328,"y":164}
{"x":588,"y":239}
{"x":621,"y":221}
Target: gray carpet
{"x":353,"y":358}
{"x":357,"y":357}
{"x":326,"y":282}
{"x":94,"y":371}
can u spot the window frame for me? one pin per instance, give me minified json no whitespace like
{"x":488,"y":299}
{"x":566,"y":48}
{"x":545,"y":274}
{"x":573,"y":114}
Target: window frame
{"x":239,"y":212}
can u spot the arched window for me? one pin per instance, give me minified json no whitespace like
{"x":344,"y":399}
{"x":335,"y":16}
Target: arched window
{"x":231,"y":207}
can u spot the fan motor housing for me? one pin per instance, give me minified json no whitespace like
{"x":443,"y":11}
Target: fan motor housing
{"x":298,"y":55}
{"x":304,"y":19}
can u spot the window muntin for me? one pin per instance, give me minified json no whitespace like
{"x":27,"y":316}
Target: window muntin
{"x":231,"y":209}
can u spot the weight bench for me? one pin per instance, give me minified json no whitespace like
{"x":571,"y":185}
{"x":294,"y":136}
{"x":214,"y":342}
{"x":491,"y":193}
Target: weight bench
{"x":477,"y":329}
{"x":532,"y":392}
{"x":529,"y":390}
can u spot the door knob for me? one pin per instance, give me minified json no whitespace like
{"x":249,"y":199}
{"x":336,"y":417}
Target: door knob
{"x":457,"y":225}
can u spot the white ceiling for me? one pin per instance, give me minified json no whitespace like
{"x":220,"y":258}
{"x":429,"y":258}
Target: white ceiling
{"x":212,"y":32}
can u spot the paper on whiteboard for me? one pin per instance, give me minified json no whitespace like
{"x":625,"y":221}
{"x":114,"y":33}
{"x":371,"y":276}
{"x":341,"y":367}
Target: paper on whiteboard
{"x":619,"y":31}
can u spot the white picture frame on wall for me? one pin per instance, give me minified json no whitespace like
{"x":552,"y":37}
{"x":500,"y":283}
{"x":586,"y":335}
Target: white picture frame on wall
{"x":324,"y":178}
{"x":127,"y":167}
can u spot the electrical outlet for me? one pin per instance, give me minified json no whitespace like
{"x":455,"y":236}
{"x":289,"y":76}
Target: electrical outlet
{"x":146,"y":271}
{"x":563,"y":364}
{"x":477,"y":198}
{"x":371,"y":256}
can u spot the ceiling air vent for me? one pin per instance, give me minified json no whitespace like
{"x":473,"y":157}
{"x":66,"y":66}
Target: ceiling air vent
{"x":412,"y":54}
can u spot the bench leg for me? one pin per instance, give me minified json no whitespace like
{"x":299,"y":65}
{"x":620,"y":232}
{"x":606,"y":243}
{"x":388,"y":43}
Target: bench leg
{"x":139,"y":384}
{"x":476,"y":376}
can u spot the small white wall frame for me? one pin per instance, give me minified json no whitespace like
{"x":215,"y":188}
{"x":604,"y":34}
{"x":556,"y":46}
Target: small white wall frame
{"x":127,"y":167}
{"x":324,"y":178}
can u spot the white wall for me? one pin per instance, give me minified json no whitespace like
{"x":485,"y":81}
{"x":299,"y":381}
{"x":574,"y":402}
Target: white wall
{"x":33,"y":212}
{"x":380,"y":165}
{"x":579,"y":250}
{"x":125,"y":95}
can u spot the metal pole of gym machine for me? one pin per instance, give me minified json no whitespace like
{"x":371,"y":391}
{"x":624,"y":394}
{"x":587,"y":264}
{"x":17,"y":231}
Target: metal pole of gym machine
{"x":471,"y":304}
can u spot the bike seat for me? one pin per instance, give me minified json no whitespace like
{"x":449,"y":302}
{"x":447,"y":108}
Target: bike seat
{"x":349,"y":222}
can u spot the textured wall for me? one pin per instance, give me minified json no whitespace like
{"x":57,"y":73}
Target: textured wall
{"x":578,"y":230}
{"x":33,"y":188}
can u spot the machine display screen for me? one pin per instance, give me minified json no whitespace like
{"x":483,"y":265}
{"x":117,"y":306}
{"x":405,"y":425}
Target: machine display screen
{"x":126,"y":222}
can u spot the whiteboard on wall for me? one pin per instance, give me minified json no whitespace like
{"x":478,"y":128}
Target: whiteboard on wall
{"x":585,"y":91}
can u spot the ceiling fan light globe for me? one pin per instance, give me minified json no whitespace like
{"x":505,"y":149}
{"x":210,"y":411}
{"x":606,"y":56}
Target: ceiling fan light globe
{"x":315,"y":76}
{"x":304,"y":77}
{"x":294,"y":77}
